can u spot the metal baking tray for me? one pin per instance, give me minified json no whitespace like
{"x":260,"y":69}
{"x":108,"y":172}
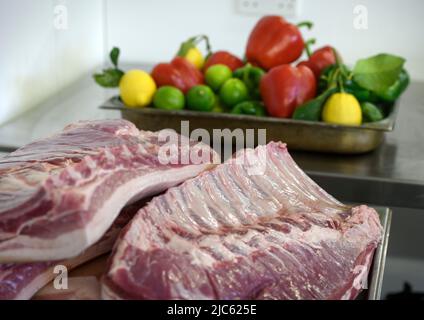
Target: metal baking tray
{"x":375,"y":277}
{"x":299,"y":135}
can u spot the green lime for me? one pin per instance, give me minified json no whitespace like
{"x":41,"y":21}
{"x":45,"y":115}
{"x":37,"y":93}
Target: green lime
{"x":169,"y":98}
{"x":233,"y":92}
{"x":201,"y":98}
{"x":216,"y":76}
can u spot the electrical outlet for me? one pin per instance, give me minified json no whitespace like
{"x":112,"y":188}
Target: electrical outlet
{"x":285,"y":8}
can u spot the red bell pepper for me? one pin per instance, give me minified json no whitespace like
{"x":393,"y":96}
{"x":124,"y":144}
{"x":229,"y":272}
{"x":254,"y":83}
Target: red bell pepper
{"x":319,"y":60}
{"x":178,"y":73}
{"x":286,"y":87}
{"x":225,"y":58}
{"x":274,"y":42}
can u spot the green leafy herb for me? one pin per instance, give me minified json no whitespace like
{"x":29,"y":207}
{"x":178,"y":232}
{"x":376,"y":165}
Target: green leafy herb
{"x":111,"y":77}
{"x":114,"y":56}
{"x":192,"y":43}
{"x":378,"y":73}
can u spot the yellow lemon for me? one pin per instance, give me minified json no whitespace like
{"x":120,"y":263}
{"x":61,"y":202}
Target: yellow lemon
{"x":342,"y":108}
{"x":194,"y":56}
{"x":137,"y":88}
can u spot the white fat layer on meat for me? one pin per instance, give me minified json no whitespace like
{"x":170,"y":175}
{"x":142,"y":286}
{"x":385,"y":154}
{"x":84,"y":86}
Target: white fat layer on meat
{"x":90,"y":162}
{"x":138,"y":235}
{"x":309,"y":239}
{"x":130,"y":130}
{"x":364,"y":224}
{"x":311,"y":194}
{"x":24,"y":193}
{"x":177,"y":203}
{"x":264,"y":202}
{"x":215,"y":243}
{"x":215,"y":199}
{"x":240,"y":242}
{"x":74,"y":174}
{"x":172,"y":177}
{"x":314,"y":236}
{"x":87,"y":190}
{"x":360,"y":281}
{"x":181,"y":245}
{"x":10,"y":183}
{"x":187,"y":294}
{"x":333,"y":206}
{"x":236,"y":198}
{"x":166,"y":207}
{"x":200,"y":207}
{"x":125,"y":153}
{"x":109,"y":155}
{"x":32,"y":287}
{"x":141,"y":150}
{"x":361,"y":277}
{"x":70,"y":244}
{"x":169,"y":178}
{"x":36,"y":284}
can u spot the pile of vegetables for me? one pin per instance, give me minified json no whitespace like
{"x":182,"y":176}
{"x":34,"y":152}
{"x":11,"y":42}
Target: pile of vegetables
{"x":268,"y":82}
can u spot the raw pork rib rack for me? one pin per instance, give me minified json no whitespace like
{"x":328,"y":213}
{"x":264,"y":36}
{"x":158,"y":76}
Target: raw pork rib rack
{"x":227,"y":234}
{"x":59,"y":195}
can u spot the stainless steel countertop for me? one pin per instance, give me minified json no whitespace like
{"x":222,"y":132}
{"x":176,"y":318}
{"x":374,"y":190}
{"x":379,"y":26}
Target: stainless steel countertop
{"x":393,"y":175}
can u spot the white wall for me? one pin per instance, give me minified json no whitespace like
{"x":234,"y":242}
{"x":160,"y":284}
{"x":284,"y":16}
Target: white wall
{"x":36,"y":58}
{"x":151,"y":30}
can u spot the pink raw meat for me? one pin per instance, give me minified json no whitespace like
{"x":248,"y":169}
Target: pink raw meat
{"x":58,"y":196}
{"x":231,"y":234}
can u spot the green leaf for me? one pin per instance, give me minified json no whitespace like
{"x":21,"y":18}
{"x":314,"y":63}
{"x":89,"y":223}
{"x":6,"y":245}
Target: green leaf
{"x":109,"y":78}
{"x":185,"y":47}
{"x":311,"y":110}
{"x":193,"y":42}
{"x":114,"y":56}
{"x":379,"y":72}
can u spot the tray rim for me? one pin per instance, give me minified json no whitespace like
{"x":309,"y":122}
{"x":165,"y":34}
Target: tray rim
{"x":379,"y":259}
{"x":385,"y":125}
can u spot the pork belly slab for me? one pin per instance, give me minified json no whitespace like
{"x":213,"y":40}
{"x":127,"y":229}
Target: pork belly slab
{"x":21,"y":281}
{"x":233,"y":234}
{"x":58,"y":196}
